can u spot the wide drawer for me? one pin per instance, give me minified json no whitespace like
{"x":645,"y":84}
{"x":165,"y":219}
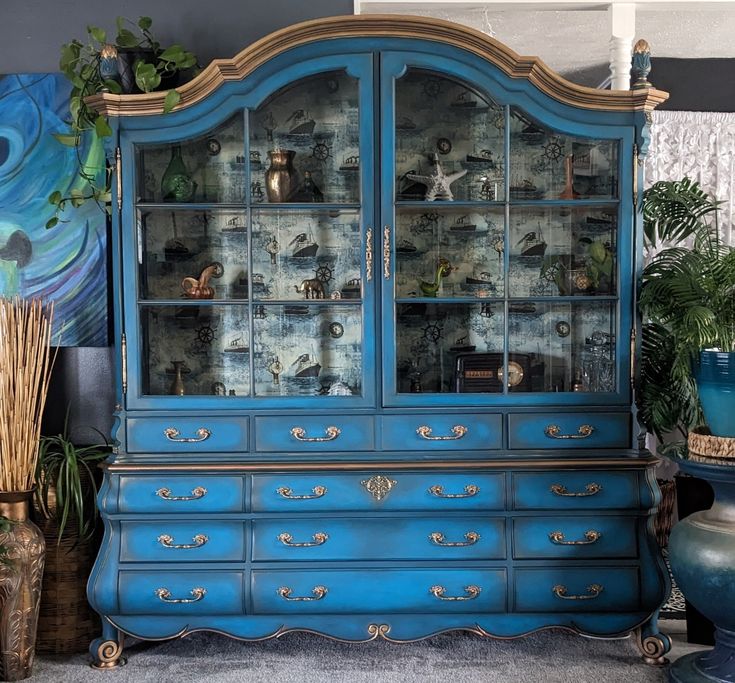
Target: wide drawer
{"x":441,"y":432}
{"x":182,"y":434}
{"x":181,"y":493}
{"x":169,"y":541}
{"x":474,"y":538}
{"x":378,"y":591}
{"x":181,"y":592}
{"x":308,"y":433}
{"x":378,"y":492}
{"x":574,"y":537}
{"x":588,"y":589}
{"x":583,"y":490}
{"x":560,"y":430}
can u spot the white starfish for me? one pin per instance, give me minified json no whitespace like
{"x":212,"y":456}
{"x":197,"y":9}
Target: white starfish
{"x":437,"y":184}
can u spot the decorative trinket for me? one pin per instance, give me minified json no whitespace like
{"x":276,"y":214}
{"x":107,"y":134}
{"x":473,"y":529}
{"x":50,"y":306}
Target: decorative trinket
{"x":308,"y":191}
{"x":213,"y":147}
{"x":444,"y":145}
{"x":108,"y":65}
{"x":336,"y":330}
{"x":179,"y":370}
{"x":437,"y":184}
{"x":563,"y":328}
{"x":219,"y":389}
{"x":280,"y":178}
{"x":568,"y":192}
{"x":641,"y":65}
{"x":311,"y":288}
{"x":275,"y":367}
{"x":443,"y":269}
{"x":176,"y":183}
{"x":339,"y":389}
{"x":199,"y":288}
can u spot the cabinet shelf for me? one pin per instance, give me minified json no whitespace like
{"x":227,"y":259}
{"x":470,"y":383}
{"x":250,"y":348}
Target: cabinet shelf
{"x":191,"y":206}
{"x":501,"y":299}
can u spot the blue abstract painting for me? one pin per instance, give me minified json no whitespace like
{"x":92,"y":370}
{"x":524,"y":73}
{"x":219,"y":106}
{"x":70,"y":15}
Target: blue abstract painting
{"x":66,"y":264}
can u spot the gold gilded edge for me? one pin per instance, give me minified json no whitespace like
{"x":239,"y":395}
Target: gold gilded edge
{"x":471,"y":40}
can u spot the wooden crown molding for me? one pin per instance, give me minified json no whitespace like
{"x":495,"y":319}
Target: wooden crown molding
{"x":387,"y":26}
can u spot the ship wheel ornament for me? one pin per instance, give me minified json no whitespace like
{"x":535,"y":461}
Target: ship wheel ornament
{"x":553,"y":149}
{"x":324,"y":274}
{"x":433,"y":332}
{"x":321,"y":151}
{"x":205,"y":334}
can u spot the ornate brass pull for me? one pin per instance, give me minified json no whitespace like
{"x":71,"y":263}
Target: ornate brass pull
{"x":590,"y":537}
{"x":320,"y":538}
{"x":318,"y":591}
{"x":299,"y":433}
{"x":369,"y":254}
{"x":286,"y":492}
{"x":386,"y":252}
{"x":590,"y":490}
{"x":469,"y":491}
{"x":594,"y":591}
{"x":554,"y":432}
{"x":196,"y":494}
{"x":172,"y":434}
{"x":168,"y":542}
{"x":164,"y":594}
{"x":472,"y":593}
{"x":459,"y":431}
{"x":437,"y":537}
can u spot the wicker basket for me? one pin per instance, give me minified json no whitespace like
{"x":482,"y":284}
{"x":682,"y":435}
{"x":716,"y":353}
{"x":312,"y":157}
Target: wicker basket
{"x":663,"y":521}
{"x":704,"y":445}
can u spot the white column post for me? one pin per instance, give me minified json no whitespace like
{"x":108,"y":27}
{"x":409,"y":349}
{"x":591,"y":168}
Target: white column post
{"x":622,"y":31}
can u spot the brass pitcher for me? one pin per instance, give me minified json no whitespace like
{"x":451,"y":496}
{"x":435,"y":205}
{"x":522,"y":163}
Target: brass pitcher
{"x":280,"y":178}
{"x":20,"y":587}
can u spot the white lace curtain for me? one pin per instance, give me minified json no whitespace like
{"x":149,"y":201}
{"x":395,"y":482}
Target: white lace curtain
{"x":700,"y":145}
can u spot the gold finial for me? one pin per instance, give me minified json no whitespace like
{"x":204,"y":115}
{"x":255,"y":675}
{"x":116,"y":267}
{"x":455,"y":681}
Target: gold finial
{"x":641,"y":65}
{"x":108,"y":51}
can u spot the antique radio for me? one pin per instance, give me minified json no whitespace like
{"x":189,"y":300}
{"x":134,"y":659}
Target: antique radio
{"x":483,"y":372}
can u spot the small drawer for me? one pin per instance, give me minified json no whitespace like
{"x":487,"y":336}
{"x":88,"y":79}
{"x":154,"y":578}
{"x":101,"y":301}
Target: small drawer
{"x":475,"y":538}
{"x":570,"y":430}
{"x":307,"y":433}
{"x":572,"y":490}
{"x":377,"y":492}
{"x":174,"y":592}
{"x":577,"y":589}
{"x":378,"y":591}
{"x":179,"y":493}
{"x":166,"y":541}
{"x":574,"y":537}
{"x":181,"y":434}
{"x":441,"y":432}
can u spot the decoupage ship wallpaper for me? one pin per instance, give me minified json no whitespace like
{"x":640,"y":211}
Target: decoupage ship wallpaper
{"x":66,"y":264}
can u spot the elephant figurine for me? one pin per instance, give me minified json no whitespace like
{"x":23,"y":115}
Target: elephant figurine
{"x":312,"y":288}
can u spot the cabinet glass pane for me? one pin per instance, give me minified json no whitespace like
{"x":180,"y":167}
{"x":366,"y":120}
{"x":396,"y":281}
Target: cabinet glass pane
{"x":305,"y":142}
{"x":449,"y":252}
{"x":308,"y":349}
{"x":193,"y":254}
{"x":440,"y":118}
{"x":306,"y":255}
{"x":209,"y":168}
{"x":562,"y":251}
{"x":545,"y":164}
{"x":565,"y":346}
{"x":195,"y":350}
{"x":449,"y":347}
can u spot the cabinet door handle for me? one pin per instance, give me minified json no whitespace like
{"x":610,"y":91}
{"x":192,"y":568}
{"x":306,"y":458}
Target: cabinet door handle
{"x":590,"y":537}
{"x":286,"y":492}
{"x":299,"y":433}
{"x":590,"y":490}
{"x":593,"y":590}
{"x":164,"y":595}
{"x":554,"y":432}
{"x":439,"y":592}
{"x":369,"y":254}
{"x":173,"y":434}
{"x":469,"y":491}
{"x":320,"y":538}
{"x":196,"y":494}
{"x":437,"y":537}
{"x":318,"y":593}
{"x":458,"y":431}
{"x":168,"y":542}
{"x":386,"y":252}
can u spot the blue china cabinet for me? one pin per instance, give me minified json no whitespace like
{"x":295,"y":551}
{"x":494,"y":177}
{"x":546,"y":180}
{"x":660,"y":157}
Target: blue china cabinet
{"x":375,"y":313}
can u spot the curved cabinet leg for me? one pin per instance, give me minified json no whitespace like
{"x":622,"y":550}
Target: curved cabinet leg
{"x":107,"y":651}
{"x":652,"y":643}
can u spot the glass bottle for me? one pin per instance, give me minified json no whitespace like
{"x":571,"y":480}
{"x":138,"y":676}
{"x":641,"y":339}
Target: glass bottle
{"x":177,"y":184}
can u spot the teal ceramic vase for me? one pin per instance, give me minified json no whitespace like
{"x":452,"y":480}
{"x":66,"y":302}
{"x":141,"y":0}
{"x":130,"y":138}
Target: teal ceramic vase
{"x":715,"y":375}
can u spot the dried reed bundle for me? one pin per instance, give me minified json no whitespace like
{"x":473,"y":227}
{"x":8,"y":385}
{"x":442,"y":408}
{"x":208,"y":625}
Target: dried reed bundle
{"x":25,"y":370}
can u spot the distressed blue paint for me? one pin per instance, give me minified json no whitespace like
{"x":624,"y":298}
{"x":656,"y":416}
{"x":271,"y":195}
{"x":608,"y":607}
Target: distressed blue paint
{"x":400,"y":432}
{"x":609,"y":430}
{"x":149,"y":434}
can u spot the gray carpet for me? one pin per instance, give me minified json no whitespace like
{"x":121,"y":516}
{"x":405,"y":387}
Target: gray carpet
{"x":547,"y":657}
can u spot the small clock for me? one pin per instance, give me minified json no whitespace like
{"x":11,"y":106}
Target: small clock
{"x":563,"y":328}
{"x":443,"y":145}
{"x":213,"y":147}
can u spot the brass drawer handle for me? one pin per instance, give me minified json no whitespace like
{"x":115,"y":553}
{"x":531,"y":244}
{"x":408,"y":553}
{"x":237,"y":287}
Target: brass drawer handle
{"x":437,"y":537}
{"x":594,"y":591}
{"x":590,"y":537}
{"x":196,"y":494}
{"x":469,"y":491}
{"x":299,"y":433}
{"x":472,"y":593}
{"x":318,"y":591}
{"x":173,"y":434}
{"x":168,"y":542}
{"x":320,"y":538}
{"x":286,"y":492}
{"x":554,"y":432}
{"x":458,"y":431}
{"x":164,"y":594}
{"x":590,"y":490}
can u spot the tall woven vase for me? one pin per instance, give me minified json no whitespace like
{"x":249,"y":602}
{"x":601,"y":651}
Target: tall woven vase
{"x":20,"y":587}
